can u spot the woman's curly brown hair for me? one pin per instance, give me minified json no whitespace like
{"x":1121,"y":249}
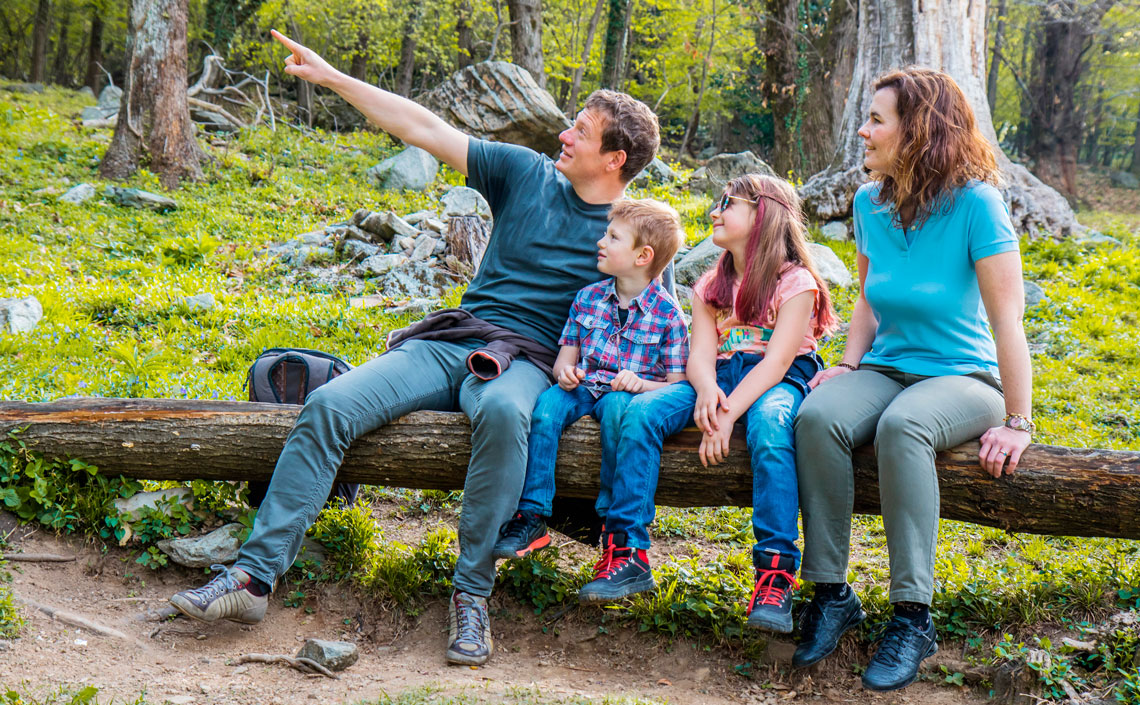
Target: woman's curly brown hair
{"x":940,"y":147}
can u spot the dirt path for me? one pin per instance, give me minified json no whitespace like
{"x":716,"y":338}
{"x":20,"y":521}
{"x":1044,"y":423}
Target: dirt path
{"x":181,"y":661}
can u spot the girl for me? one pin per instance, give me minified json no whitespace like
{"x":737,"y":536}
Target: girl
{"x":756,"y":318}
{"x":938,"y":266}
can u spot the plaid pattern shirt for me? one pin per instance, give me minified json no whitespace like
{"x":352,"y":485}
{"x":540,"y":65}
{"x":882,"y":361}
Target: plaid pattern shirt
{"x":653,"y":342}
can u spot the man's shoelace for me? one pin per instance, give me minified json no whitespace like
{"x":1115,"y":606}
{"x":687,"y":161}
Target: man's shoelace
{"x":767,"y":592}
{"x":220,"y":585}
{"x":471,"y":621}
{"x":896,"y":639}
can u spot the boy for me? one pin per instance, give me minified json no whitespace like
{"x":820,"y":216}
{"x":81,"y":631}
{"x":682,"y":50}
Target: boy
{"x":624,"y":336}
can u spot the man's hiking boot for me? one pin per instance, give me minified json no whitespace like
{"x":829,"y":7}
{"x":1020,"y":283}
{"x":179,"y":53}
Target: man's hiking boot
{"x":900,"y":652}
{"x":771,"y":605}
{"x":621,"y":572}
{"x":469,"y":630}
{"x":227,"y":596}
{"x":523,"y":533}
{"x":822,"y":622}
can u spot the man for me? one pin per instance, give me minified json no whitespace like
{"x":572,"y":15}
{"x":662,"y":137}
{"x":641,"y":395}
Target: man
{"x":548,"y":216}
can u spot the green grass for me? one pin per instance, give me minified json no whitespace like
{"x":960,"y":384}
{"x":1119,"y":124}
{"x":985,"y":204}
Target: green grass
{"x":112,"y":280}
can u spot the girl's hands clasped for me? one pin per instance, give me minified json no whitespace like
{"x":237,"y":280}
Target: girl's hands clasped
{"x":710,"y":400}
{"x":714,"y":444}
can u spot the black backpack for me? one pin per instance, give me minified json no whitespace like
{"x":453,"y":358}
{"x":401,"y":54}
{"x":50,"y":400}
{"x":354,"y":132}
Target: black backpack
{"x":287,"y":376}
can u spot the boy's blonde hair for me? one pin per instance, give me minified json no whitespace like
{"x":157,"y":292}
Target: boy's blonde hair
{"x":653,"y":223}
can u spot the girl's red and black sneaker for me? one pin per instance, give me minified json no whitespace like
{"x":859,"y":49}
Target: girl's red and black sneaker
{"x":621,"y":572}
{"x":771,"y":605}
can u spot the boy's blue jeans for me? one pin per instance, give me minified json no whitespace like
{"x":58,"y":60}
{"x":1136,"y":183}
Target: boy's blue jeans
{"x":653,"y":416}
{"x":557,"y":409}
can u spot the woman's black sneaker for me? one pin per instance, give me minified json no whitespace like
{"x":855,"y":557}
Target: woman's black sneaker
{"x":524,"y":533}
{"x":822,"y":622}
{"x":901,"y":651}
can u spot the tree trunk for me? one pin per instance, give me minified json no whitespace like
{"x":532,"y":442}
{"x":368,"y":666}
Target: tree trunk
{"x":828,"y":81}
{"x":526,"y":37}
{"x":154,"y":118}
{"x":405,"y":67}
{"x":40,"y":41}
{"x":1092,"y":142}
{"x":94,"y":76}
{"x":570,"y":107}
{"x":1061,"y":491}
{"x":1135,"y":167}
{"x":358,"y":69}
{"x":777,"y":37}
{"x":946,"y":35}
{"x":467,"y":237}
{"x":617,"y":31}
{"x":225,"y":17}
{"x":464,"y":36}
{"x":695,"y":119}
{"x":59,"y":71}
{"x":999,"y":41}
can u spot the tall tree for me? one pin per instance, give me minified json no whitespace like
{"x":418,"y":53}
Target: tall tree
{"x":776,"y":34}
{"x":40,"y":40}
{"x":407,"y":63}
{"x":576,"y":83}
{"x":616,"y":43}
{"x":1135,"y":168}
{"x":526,"y":37}
{"x":94,"y":74}
{"x":996,"y":54}
{"x":60,"y":72}
{"x":464,"y":36}
{"x":225,"y":17}
{"x":1068,"y":28}
{"x":154,"y":117}
{"x":948,"y":35}
{"x":695,"y":118}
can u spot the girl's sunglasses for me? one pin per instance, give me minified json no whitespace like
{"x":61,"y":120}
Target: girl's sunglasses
{"x":726,"y":201}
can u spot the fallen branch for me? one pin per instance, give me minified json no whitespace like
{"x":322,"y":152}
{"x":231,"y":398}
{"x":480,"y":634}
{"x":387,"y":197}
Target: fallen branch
{"x":36,"y":558}
{"x":78,"y":621}
{"x":300,"y":663}
{"x":213,"y":107}
{"x":1058,"y":491}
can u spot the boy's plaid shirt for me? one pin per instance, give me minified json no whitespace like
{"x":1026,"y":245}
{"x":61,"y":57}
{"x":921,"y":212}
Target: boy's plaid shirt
{"x":653,"y":342}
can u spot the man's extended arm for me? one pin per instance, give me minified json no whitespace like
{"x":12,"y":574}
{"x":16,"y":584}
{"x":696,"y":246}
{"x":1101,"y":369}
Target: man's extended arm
{"x":398,"y":116}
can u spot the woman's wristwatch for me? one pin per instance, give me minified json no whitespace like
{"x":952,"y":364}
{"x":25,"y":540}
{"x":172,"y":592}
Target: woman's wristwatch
{"x":1019,"y":422}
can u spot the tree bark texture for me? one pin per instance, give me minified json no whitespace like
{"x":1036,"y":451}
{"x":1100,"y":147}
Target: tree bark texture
{"x":948,"y":35}
{"x":40,"y":29}
{"x":59,"y":71}
{"x":526,"y":37}
{"x":467,"y":236}
{"x":1059,"y":491}
{"x":406,"y":66}
{"x":617,"y":30}
{"x":999,"y":41}
{"x":777,"y":37}
{"x":154,"y":118}
{"x":94,"y":76}
{"x":695,"y":118}
{"x":465,"y":37}
{"x":1135,"y":167}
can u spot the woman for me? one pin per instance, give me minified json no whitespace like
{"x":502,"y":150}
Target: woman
{"x":938,"y":266}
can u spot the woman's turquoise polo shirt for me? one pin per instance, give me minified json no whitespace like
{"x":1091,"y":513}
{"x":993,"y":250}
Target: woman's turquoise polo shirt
{"x":922,"y":285}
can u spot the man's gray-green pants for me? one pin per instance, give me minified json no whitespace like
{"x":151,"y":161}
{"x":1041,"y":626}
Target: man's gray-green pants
{"x":910,"y":417}
{"x":419,"y":375}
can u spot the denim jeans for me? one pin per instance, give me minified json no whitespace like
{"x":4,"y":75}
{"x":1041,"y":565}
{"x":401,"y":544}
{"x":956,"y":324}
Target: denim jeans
{"x":652,"y":417}
{"x":415,"y":376}
{"x":556,"y":409}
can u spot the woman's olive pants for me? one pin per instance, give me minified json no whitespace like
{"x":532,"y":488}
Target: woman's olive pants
{"x":910,"y":417}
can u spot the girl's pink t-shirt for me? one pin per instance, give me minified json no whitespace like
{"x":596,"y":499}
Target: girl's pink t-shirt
{"x":736,"y":335}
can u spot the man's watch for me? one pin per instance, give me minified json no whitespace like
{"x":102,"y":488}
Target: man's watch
{"x":1020,"y":423}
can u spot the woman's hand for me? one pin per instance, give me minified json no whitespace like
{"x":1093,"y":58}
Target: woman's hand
{"x":714,"y":445}
{"x":826,"y":374}
{"x":305,"y":63}
{"x":999,"y":444}
{"x":709,"y":400}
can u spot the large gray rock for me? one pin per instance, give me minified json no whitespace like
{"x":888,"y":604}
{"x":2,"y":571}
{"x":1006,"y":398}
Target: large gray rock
{"x":20,"y":315}
{"x":1092,"y":237}
{"x":418,"y":217}
{"x":834,"y":230}
{"x":133,"y":506}
{"x":199,"y":302}
{"x":78,"y":193}
{"x":418,"y":280}
{"x":657,"y":172}
{"x":696,"y":262}
{"x":462,"y":201}
{"x":1034,"y":294}
{"x":499,"y":101}
{"x":711,"y":178}
{"x":110,"y":97}
{"x":1124,"y":179}
{"x":353,"y":250}
{"x":382,"y":226}
{"x":413,"y":169}
{"x":137,"y":198}
{"x":829,"y":266}
{"x":424,"y":247}
{"x":379,"y":265}
{"x":333,"y":655}
{"x":218,"y":546}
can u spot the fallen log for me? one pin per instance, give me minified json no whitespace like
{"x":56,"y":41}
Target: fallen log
{"x":1058,"y":491}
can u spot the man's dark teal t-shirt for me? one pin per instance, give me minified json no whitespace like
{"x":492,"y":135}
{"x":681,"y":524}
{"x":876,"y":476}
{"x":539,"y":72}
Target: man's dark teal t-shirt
{"x":543,"y":247}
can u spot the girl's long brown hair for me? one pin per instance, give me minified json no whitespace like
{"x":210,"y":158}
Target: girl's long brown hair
{"x":940,"y":147}
{"x":778,"y":238}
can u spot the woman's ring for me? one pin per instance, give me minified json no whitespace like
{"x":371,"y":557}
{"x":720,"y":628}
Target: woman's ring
{"x":1002,"y":452}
